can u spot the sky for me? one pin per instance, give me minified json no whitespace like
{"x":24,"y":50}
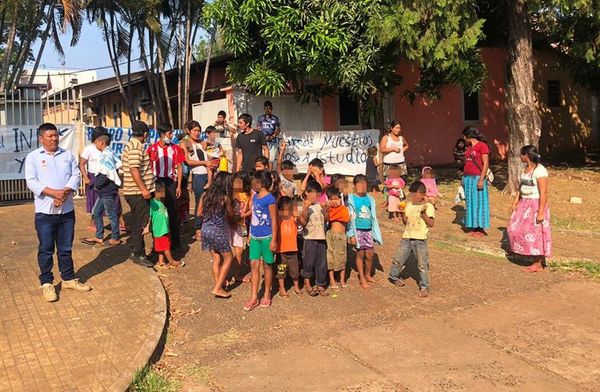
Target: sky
{"x":90,"y":52}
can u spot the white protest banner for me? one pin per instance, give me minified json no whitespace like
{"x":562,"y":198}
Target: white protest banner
{"x":343,"y":152}
{"x":18,"y":141}
{"x":120,"y":137}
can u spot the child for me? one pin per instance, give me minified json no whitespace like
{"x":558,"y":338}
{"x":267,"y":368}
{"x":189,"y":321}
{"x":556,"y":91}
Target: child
{"x":428,"y":178}
{"x":313,"y":217}
{"x":216,"y":209}
{"x":261,"y":163}
{"x":285,"y":168}
{"x":395,"y":195}
{"x":363,"y":229}
{"x":340,"y":182}
{"x":214,"y":151}
{"x":241,"y":207}
{"x":371,"y":170}
{"x":315,"y":172}
{"x":159,"y":221}
{"x":459,"y":151}
{"x":418,"y":217}
{"x":106,"y":184}
{"x":263,"y":239}
{"x":336,"y":238}
{"x":287,"y":247}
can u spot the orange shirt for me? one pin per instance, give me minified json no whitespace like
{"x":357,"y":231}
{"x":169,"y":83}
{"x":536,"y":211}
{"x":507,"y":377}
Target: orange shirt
{"x":287,"y":240}
{"x":339,"y":214}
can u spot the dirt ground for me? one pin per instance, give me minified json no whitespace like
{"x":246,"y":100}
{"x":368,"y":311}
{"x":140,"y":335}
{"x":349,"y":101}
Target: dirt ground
{"x":486,"y":325}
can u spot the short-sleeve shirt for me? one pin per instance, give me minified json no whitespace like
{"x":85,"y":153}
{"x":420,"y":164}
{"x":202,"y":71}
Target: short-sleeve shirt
{"x":364,"y":215}
{"x":251,"y":145}
{"x":287,"y":240}
{"x":416,"y":228}
{"x":315,"y":225}
{"x":474,"y":160}
{"x":159,"y":216}
{"x":165,"y":159}
{"x":135,"y":156}
{"x":339,"y":214}
{"x":260,"y":224}
{"x":268,"y":125}
{"x":529,"y":187}
{"x":288,"y":187}
{"x":92,"y":155}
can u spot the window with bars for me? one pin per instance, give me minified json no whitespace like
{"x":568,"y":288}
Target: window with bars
{"x":554,"y":93}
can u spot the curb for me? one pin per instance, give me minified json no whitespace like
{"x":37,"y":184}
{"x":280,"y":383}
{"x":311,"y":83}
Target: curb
{"x":154,"y":336}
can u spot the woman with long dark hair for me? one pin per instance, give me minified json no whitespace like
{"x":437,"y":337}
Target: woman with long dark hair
{"x":475,"y":183}
{"x":217,"y":212}
{"x":529,"y":231}
{"x":393,"y":146}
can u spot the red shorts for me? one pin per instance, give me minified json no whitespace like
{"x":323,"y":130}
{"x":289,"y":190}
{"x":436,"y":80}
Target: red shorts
{"x":163,"y":243}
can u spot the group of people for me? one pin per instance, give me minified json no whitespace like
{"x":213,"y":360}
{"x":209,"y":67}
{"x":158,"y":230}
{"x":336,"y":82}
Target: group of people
{"x":301,"y":236}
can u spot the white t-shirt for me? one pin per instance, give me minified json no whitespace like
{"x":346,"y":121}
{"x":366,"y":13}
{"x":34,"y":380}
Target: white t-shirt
{"x":92,"y":155}
{"x":529,"y":187}
{"x":394,"y":157}
{"x":198,"y":154}
{"x":289,"y":187}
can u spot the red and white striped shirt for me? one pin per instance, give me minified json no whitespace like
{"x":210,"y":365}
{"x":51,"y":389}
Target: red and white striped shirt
{"x":165,"y":159}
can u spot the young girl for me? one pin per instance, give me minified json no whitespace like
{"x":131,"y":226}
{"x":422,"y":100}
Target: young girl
{"x":316,"y":172}
{"x":216,"y":209}
{"x":475,"y":183}
{"x":287,"y":247}
{"x":394,"y":185}
{"x":363,"y":229}
{"x":263,"y":239}
{"x":241,"y":208}
{"x":371,"y":170}
{"x":428,"y":179}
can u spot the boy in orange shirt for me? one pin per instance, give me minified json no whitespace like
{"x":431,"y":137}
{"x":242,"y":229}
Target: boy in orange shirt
{"x":339,"y":216}
{"x":287,"y":247}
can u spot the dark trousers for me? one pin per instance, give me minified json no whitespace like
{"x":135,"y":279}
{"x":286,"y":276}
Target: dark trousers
{"x":55,"y":230}
{"x":314,"y":261}
{"x":198,"y":183}
{"x":170,"y":203}
{"x":140,"y":214}
{"x":106,"y":204}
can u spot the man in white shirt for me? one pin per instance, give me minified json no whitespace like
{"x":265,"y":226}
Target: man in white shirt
{"x":52,"y":175}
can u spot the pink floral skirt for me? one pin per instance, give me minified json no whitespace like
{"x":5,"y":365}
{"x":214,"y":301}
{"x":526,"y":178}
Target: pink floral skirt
{"x":526,"y":236}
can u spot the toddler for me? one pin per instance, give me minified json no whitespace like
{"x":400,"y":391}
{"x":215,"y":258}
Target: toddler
{"x":428,"y":178}
{"x":336,"y":238}
{"x":287,"y":247}
{"x":394,"y":185}
{"x":159,"y":223}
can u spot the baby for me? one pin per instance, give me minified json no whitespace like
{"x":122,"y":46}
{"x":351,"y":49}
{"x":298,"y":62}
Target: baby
{"x":428,"y":179}
{"x":394,"y":185}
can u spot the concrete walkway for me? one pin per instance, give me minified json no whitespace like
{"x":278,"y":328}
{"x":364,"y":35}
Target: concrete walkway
{"x":514,"y":344}
{"x":92,"y":341}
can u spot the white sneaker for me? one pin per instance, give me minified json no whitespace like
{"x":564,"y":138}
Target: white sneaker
{"x":49,"y":292}
{"x":74,"y":284}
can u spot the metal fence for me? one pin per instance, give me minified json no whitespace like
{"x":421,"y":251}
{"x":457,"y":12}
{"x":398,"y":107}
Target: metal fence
{"x":32,"y":106}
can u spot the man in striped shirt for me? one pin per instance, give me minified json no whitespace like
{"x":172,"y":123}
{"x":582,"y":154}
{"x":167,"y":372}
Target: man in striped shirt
{"x":167,"y":159}
{"x":138,"y":185}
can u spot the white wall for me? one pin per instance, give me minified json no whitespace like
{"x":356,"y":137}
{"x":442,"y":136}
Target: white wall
{"x":293,"y":115}
{"x":206,"y":113}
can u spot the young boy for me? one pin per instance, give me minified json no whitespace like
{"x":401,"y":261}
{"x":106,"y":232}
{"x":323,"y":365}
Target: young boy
{"x":336,"y":238}
{"x":261,"y":163}
{"x":313,"y":217}
{"x":285,"y":168}
{"x":418,"y":216}
{"x":214,"y":151}
{"x":106,"y":184}
{"x":364,"y":229}
{"x":287,"y":246}
{"x":159,"y":221}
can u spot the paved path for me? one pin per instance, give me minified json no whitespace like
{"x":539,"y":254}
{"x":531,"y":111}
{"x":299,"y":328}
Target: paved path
{"x":510,"y":345}
{"x":86,"y":341}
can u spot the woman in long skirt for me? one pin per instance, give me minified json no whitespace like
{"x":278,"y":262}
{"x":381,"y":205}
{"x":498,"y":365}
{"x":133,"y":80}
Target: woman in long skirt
{"x":475,"y":183}
{"x":529,"y":230}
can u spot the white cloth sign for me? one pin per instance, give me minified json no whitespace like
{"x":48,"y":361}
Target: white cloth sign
{"x":343,"y":152}
{"x":18,"y":141}
{"x":120,"y":137}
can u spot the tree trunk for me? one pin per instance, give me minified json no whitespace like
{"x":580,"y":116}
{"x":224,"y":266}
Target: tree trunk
{"x":153,"y":75}
{"x":43,"y":44}
{"x":147,"y":70}
{"x":114,"y":61}
{"x":524,"y":119}
{"x":179,"y":77}
{"x":8,"y":52}
{"x":163,"y":77}
{"x":207,"y":65}
{"x":187,"y":65}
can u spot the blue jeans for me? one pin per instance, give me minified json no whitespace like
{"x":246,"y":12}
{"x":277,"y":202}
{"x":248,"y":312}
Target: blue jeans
{"x":106,"y":204}
{"x":198,"y":183}
{"x":419,"y":249}
{"x":55,"y":230}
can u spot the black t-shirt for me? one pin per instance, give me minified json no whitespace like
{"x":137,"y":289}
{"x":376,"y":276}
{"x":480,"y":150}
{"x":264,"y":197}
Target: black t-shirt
{"x":251,"y":146}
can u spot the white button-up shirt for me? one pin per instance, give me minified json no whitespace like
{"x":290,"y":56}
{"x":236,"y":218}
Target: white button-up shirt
{"x":56,"y":171}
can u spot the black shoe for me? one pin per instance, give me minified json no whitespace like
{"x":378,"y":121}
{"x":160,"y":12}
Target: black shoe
{"x":141,"y":260}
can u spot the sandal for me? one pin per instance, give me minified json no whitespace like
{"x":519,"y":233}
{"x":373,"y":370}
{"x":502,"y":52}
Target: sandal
{"x":177,"y":264}
{"x":265,"y":303}
{"x":322,"y":292}
{"x":299,"y":293}
{"x":313,"y":292}
{"x":161,"y":266}
{"x":219,"y":296}
{"x":285,"y":297}
{"x":247,"y":278}
{"x":334,"y":286}
{"x":250,"y":305}
{"x":92,"y":241}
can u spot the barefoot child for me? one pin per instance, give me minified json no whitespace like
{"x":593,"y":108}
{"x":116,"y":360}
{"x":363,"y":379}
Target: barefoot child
{"x":239,"y":233}
{"x":313,"y":217}
{"x":285,"y":168}
{"x":371,"y":170}
{"x":263,"y":238}
{"x":363,"y":229}
{"x":287,"y":247}
{"x":418,"y":217}
{"x":159,"y":222}
{"x":336,"y":238}
{"x":428,"y":178}
{"x":394,"y":185}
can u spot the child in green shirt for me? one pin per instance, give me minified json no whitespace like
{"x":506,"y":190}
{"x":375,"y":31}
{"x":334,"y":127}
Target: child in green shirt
{"x":159,"y":222}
